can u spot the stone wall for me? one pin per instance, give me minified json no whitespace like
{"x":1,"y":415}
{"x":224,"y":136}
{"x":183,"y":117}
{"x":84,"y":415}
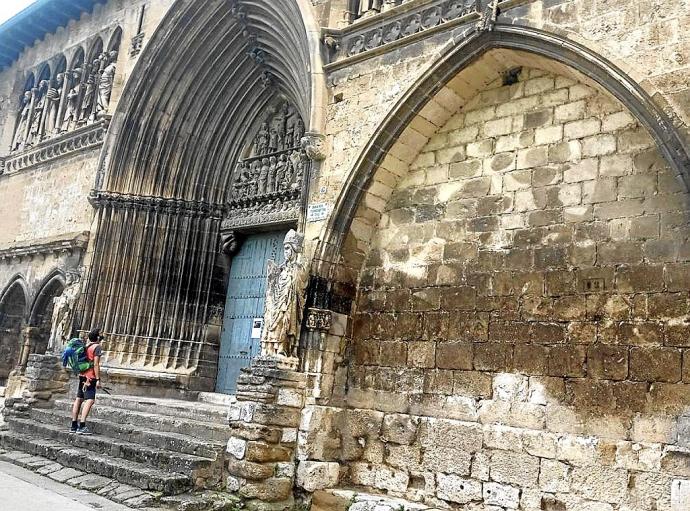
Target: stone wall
{"x":521,"y":327}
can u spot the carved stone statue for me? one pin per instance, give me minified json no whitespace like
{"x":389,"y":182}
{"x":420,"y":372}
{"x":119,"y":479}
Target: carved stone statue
{"x":281,"y":168}
{"x":106,"y":81}
{"x":87,"y":103}
{"x":262,"y":181}
{"x":63,"y":312}
{"x":53,"y":98}
{"x":273,"y":140}
{"x":72,"y":109}
{"x":22,"y":122}
{"x":39,"y":106}
{"x":272,"y":166}
{"x":299,"y":131}
{"x":284,"y":301}
{"x":261,"y":141}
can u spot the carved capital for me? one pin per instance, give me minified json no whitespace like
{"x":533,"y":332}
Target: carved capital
{"x":319,"y":319}
{"x":314,"y":145}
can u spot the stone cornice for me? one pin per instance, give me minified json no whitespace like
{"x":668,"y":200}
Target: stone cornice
{"x":67,"y":243}
{"x":88,"y":137}
{"x":402,"y":25}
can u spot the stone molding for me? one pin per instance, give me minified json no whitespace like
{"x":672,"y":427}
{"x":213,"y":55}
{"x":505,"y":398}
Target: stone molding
{"x":400,"y":25}
{"x":319,"y":319}
{"x":88,"y":137}
{"x":54,"y":246}
{"x":117,"y":200}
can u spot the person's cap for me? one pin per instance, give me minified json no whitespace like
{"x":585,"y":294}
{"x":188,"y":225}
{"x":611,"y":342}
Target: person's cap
{"x":95,"y":335}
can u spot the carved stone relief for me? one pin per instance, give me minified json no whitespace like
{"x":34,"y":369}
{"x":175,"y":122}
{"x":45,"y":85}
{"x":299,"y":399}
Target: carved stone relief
{"x":268,"y":183}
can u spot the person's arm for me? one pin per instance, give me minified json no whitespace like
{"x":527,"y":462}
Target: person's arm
{"x":97,"y":370}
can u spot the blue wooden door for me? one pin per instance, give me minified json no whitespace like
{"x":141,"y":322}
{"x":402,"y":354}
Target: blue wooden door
{"x":244,"y":306}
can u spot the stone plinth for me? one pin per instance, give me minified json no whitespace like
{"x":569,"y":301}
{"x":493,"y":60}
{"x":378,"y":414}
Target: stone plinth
{"x":264,"y":434}
{"x":43,"y":379}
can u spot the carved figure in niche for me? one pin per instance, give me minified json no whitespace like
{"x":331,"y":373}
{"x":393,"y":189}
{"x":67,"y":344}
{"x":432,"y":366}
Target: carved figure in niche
{"x":299,"y":131}
{"x":254,"y":171}
{"x":281,"y":168}
{"x":106,"y":81}
{"x":242,"y":181}
{"x":53,"y":98}
{"x":72,"y":109}
{"x":299,"y":173}
{"x":22,"y":122}
{"x":369,"y":7}
{"x":262,"y":181}
{"x":261,"y":141}
{"x":290,"y":136}
{"x":284,"y":300}
{"x":39,"y":106}
{"x":86,"y":114}
{"x":63,"y":312}
{"x":273,"y":140}
{"x":271,"y":185}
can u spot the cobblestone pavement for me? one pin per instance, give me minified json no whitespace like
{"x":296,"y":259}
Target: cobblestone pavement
{"x":21,"y":490}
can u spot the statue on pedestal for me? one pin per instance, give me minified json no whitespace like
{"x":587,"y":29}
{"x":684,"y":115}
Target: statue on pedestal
{"x":284,"y":301}
{"x":63,"y":312}
{"x":106,"y":82}
{"x":20,"y":132}
{"x":53,"y":98}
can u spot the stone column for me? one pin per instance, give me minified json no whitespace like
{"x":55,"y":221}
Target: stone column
{"x":264,"y":425}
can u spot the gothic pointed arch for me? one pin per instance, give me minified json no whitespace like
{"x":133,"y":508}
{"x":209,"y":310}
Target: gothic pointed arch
{"x":41,"y":313}
{"x":209,"y":74}
{"x":463,"y":67}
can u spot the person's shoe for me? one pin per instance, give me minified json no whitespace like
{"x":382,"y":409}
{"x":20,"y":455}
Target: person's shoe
{"x":73,"y":429}
{"x":84,"y":431}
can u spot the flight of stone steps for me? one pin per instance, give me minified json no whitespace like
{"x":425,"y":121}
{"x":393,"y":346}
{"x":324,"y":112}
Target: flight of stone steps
{"x":163,"y":447}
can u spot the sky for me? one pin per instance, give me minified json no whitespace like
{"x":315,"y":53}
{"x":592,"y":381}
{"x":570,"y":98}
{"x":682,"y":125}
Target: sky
{"x":9,"y":8}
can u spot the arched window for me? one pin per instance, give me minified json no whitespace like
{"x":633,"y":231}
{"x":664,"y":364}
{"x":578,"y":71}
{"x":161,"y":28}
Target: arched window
{"x":42,"y":311}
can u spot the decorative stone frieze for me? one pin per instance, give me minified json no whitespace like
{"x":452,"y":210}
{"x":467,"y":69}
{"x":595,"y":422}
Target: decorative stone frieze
{"x":58,"y":245}
{"x":398,"y":25}
{"x":319,"y":319}
{"x":81,"y":139}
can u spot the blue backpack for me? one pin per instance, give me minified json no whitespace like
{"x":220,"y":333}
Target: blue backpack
{"x":75,"y":358}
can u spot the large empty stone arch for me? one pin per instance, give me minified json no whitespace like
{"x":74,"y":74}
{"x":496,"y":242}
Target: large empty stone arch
{"x":462,"y":71}
{"x":193,"y":102}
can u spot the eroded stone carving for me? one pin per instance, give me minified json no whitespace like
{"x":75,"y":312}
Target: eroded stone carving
{"x":314,"y":146}
{"x":69,"y":120}
{"x":53,"y":99}
{"x":63,"y":312}
{"x":22,"y":123}
{"x":284,"y":301}
{"x":395,"y":27}
{"x":37,"y":114}
{"x":106,"y":81}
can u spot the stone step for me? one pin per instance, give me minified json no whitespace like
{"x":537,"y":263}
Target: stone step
{"x":196,"y":467}
{"x":168,"y":440}
{"x":115,"y":491}
{"x":124,"y":471}
{"x":198,"y":429}
{"x":206,"y":412}
{"x":215,"y":398}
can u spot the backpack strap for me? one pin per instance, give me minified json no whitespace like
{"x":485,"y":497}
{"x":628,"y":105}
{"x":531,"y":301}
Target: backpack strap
{"x":90,"y":351}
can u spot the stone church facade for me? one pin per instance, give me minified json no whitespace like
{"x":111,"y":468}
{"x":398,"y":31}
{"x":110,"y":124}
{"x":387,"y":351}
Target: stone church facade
{"x":414,"y":254}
